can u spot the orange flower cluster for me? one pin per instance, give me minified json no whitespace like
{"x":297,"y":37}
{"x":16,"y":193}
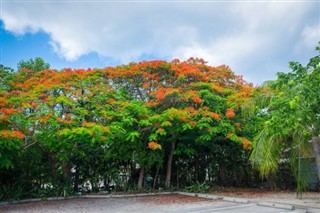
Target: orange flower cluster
{"x":8,"y":111}
{"x":45,"y":118}
{"x":185,"y":69}
{"x":230,"y":113}
{"x":184,"y":119}
{"x":196,"y":99}
{"x":246,"y":144}
{"x":160,"y":130}
{"x":88,"y":124}
{"x":3,"y":102}
{"x":156,"y":63}
{"x":64,"y":121}
{"x":193,"y":123}
{"x":238,"y":126}
{"x":146,"y":85}
{"x":229,"y":135}
{"x":4,"y":118}
{"x":216,"y":87}
{"x":154,"y":145}
{"x":160,"y":94}
{"x":167,"y":123}
{"x":43,"y":95}
{"x":11,"y":134}
{"x":212,"y":115}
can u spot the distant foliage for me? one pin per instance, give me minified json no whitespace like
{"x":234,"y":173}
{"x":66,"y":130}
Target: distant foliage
{"x":38,"y":64}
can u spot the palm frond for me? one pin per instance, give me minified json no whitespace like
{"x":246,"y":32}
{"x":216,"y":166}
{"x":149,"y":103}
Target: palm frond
{"x":267,"y":152}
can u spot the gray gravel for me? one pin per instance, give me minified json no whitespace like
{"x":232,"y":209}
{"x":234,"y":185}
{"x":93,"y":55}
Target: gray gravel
{"x":115,"y":205}
{"x":178,"y":203}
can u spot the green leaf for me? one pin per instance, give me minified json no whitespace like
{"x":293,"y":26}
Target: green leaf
{"x":153,"y":137}
{"x":132,"y":136}
{"x":187,"y":126}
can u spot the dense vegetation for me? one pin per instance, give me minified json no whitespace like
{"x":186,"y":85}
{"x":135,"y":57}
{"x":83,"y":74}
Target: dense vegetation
{"x":292,"y":126}
{"x":148,"y":125}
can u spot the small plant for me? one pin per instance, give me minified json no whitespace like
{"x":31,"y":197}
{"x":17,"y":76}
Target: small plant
{"x":198,"y":188}
{"x":11,"y":192}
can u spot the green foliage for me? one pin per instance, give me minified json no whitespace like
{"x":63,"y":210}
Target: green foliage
{"x":291,"y":112}
{"x":94,"y":126}
{"x":12,"y":192}
{"x":6,"y":74}
{"x":37,"y":64}
{"x":197,"y":188}
{"x":5,"y":70}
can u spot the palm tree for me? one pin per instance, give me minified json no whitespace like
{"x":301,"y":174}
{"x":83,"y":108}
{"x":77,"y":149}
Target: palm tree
{"x":292,"y":126}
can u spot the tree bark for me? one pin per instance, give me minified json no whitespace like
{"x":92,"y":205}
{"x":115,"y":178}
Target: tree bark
{"x":178,"y":178}
{"x":76,"y":180}
{"x":271,"y":181}
{"x":169,"y":164}
{"x":155,"y":179}
{"x":141,"y":175}
{"x":316,"y":147}
{"x":66,"y":168}
{"x":52,"y":165}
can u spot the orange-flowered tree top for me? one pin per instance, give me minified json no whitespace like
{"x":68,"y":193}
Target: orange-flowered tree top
{"x":186,"y":98}
{"x":187,"y":95}
{"x":53,"y":109}
{"x":143,"y":103}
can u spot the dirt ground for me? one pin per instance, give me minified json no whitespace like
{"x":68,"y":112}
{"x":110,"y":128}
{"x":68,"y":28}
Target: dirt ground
{"x":309,"y":199}
{"x":164,"y":203}
{"x":171,"y":203}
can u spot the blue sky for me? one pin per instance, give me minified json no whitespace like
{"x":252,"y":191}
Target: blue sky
{"x":255,"y":38}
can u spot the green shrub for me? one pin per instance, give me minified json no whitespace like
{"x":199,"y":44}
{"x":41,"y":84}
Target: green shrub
{"x":12,"y":192}
{"x":198,"y":188}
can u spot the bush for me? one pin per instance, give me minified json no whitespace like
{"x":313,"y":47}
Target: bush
{"x":12,"y":192}
{"x":198,"y":188}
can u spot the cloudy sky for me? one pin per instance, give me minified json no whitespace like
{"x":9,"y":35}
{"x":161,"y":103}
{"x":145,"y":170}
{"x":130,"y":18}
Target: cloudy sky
{"x":255,"y":38}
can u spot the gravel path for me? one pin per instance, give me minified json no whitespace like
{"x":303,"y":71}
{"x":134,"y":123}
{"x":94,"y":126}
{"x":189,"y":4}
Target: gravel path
{"x":160,"y":203}
{"x":308,"y":199}
{"x":165,"y":203}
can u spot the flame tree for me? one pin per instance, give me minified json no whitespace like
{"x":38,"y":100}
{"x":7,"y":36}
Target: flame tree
{"x":144,"y":114}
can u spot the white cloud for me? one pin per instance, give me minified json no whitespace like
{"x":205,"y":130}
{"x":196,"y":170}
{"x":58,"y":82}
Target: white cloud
{"x":311,"y":35}
{"x":242,"y":35}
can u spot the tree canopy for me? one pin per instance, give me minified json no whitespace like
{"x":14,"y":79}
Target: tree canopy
{"x":292,"y":123}
{"x":148,"y":114}
{"x":38,"y":64}
{"x":176,"y":123}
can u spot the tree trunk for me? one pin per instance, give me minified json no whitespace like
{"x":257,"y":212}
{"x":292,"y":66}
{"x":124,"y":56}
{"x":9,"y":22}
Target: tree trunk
{"x":52,"y":165}
{"x":196,"y":170}
{"x":76,"y":180}
{"x":155,"y":179}
{"x":271,"y":181}
{"x":178,"y":177}
{"x":66,"y":168}
{"x":222,"y":174}
{"x":141,"y":174}
{"x":316,"y":148}
{"x":169,"y":164}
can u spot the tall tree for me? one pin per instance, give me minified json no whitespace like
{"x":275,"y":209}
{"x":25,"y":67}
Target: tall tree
{"x":292,"y":110}
{"x":186,"y":96}
{"x":139,"y":113}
